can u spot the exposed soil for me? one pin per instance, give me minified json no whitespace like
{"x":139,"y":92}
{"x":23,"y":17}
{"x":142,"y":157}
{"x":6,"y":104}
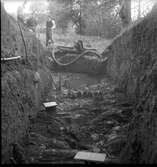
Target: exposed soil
{"x":88,"y":117}
{"x":92,"y":114}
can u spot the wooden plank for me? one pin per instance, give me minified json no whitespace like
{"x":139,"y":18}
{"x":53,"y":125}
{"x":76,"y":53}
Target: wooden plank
{"x":50,"y":104}
{"x":90,"y":156}
{"x":64,"y":47}
{"x":10,"y":58}
{"x":72,"y":49}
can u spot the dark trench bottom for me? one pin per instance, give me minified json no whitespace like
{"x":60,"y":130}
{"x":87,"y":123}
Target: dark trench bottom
{"x":89,"y":117}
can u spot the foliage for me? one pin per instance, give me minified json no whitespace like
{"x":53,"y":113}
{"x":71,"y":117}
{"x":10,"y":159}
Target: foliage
{"x":101,"y":14}
{"x":61,"y":12}
{"x":38,"y":12}
{"x":38,"y":7}
{"x":86,"y":16}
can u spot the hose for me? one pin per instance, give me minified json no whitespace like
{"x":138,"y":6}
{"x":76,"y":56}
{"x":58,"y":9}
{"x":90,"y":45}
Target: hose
{"x":53,"y":56}
{"x":76,"y":59}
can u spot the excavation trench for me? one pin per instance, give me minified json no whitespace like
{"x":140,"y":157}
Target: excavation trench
{"x":92,"y":113}
{"x":88,"y":117}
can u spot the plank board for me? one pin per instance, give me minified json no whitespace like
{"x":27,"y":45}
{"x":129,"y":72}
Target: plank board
{"x":50,"y":104}
{"x":90,"y":156}
{"x":10,"y":58}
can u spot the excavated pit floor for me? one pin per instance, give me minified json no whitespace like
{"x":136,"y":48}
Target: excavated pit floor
{"x":89,"y":116}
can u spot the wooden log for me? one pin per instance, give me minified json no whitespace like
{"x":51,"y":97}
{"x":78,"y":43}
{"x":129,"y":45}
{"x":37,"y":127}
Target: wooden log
{"x":64,"y":47}
{"x":71,"y":50}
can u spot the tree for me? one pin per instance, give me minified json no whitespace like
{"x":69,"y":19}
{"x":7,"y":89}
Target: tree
{"x":125,"y":12}
{"x":91,"y":17}
{"x":20,"y":11}
{"x":139,"y":8}
{"x":78,"y":15}
{"x":38,"y":7}
{"x":61,"y":12}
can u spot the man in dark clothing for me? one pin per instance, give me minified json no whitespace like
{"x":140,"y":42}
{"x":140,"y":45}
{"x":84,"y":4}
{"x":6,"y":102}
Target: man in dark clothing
{"x":50,"y":24}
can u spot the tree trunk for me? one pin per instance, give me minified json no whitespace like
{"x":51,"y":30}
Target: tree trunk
{"x":139,"y":8}
{"x":125,"y":13}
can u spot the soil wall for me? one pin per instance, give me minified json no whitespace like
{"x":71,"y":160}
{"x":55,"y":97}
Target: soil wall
{"x":131,"y":53}
{"x":132,"y":64}
{"x":24,"y":85}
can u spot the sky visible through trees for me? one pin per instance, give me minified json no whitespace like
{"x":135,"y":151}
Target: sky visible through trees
{"x":11,"y":6}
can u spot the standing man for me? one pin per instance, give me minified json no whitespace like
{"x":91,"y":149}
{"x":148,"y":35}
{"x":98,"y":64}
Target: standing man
{"x":50,"y":25}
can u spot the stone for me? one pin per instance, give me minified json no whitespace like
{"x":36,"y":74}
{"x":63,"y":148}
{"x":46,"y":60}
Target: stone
{"x":79,"y":94}
{"x":96,"y":149}
{"x":95,"y":137}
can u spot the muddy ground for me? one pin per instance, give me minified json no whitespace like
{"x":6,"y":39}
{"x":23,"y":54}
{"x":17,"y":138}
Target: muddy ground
{"x":92,"y":113}
{"x":89,"y":116}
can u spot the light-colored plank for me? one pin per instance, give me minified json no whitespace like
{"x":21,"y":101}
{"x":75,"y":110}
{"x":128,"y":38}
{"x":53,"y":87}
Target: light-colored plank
{"x":90,"y":156}
{"x":10,"y":58}
{"x":50,"y":104}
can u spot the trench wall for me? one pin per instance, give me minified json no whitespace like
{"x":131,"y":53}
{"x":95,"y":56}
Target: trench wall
{"x":23,"y":85}
{"x":132,"y":64}
{"x":132,"y":52}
